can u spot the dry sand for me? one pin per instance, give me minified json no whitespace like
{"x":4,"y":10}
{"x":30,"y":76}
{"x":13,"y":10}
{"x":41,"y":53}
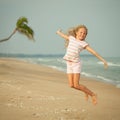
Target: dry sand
{"x":35,"y":92}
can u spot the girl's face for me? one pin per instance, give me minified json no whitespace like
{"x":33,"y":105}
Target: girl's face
{"x":81,"y":34}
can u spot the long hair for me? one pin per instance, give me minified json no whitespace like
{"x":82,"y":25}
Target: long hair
{"x":72,"y":32}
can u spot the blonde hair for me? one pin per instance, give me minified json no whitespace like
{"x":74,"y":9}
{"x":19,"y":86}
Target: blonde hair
{"x":72,"y":32}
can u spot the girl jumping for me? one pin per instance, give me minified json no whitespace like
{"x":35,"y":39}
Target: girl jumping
{"x":76,"y":43}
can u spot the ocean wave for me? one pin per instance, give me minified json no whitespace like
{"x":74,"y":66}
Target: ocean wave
{"x":61,"y":61}
{"x":105,"y":79}
{"x":98,"y":77}
{"x":57,"y":68}
{"x":44,"y":60}
{"x":110,"y":64}
{"x":88,"y":74}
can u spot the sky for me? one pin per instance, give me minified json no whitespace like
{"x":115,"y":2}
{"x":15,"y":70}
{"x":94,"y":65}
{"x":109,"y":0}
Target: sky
{"x":45,"y":17}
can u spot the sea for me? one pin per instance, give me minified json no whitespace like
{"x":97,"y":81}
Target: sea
{"x":91,"y":66}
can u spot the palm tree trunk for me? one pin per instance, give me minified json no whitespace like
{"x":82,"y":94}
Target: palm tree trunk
{"x":9,"y":36}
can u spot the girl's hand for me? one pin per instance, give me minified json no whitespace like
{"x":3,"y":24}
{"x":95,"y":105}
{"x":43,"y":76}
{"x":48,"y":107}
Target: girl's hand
{"x":58,"y":31}
{"x":105,"y":65}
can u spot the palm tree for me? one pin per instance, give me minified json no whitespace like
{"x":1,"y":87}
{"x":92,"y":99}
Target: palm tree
{"x":22,"y":27}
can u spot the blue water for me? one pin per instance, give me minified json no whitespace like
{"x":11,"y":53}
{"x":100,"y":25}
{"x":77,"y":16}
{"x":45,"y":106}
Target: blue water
{"x":91,"y":66}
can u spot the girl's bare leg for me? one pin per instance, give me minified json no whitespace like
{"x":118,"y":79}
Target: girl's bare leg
{"x":76,"y":78}
{"x":70,"y":78}
{"x":71,"y":83}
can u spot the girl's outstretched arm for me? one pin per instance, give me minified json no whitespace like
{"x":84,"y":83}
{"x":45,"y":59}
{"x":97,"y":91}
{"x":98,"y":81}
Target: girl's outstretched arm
{"x":88,"y":48}
{"x":60,"y":33}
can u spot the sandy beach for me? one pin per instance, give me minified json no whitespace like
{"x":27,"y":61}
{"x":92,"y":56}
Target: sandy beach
{"x":36,"y":92}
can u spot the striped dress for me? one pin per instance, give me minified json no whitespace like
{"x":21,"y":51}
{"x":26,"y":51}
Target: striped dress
{"x":74,"y":48}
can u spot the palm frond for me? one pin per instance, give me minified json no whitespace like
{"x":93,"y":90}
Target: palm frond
{"x":21,"y":21}
{"x":23,"y":28}
{"x":26,"y":30}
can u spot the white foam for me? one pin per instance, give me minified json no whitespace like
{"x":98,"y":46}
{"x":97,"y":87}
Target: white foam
{"x":105,"y":79}
{"x":110,"y":64}
{"x":98,"y":77}
{"x":88,"y":74}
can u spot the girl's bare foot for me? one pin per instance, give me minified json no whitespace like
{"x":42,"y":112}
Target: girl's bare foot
{"x":94,"y":99}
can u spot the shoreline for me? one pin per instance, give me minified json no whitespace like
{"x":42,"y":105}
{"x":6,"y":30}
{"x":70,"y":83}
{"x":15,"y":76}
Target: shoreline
{"x":94,"y":76}
{"x":32,"y":91}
